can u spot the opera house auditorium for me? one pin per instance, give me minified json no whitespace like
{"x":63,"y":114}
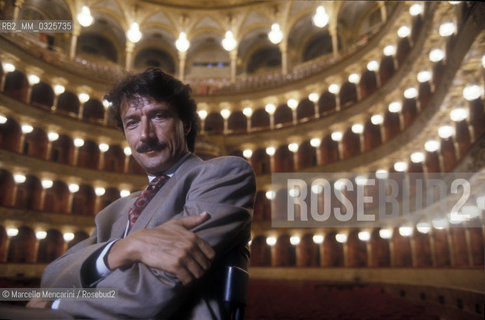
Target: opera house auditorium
{"x":309,"y":88}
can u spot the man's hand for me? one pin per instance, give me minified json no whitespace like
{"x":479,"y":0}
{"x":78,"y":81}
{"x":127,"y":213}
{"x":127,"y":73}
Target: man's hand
{"x":170,"y":247}
{"x":37,"y":303}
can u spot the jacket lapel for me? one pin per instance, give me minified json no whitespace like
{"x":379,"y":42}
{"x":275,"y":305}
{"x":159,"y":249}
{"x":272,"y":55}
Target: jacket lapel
{"x":155,"y":206}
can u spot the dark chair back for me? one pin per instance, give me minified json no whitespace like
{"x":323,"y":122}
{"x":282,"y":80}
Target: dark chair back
{"x":235,"y":292}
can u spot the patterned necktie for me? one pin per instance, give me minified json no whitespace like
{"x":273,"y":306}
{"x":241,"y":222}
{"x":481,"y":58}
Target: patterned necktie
{"x":145,"y":197}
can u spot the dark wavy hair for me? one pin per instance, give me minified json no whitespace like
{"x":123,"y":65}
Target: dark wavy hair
{"x":154,"y":83}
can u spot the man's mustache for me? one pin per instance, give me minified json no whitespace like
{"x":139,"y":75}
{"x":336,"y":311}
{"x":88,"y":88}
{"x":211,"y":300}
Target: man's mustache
{"x":155,"y":146}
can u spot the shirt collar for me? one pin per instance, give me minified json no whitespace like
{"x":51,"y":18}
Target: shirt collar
{"x":170,"y":172}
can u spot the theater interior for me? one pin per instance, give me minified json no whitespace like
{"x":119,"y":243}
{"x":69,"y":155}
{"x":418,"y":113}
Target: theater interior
{"x":306,"y":87}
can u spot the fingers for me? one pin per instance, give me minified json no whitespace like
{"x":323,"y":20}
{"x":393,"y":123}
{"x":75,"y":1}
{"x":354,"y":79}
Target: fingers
{"x":191,"y":221}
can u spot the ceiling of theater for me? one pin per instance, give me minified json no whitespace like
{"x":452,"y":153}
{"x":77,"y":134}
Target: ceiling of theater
{"x":205,"y":22}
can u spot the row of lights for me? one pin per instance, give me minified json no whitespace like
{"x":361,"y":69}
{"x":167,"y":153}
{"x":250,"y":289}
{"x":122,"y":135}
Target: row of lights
{"x":73,"y":187}
{"x":40,"y":234}
{"x":53,"y":136}
{"x":384,"y":233}
{"x":445,"y":132}
{"x":34,"y":79}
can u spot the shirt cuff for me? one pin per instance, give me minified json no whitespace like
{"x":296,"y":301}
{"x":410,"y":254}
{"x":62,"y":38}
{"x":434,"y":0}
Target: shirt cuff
{"x":55,"y":304}
{"x":101,"y":267}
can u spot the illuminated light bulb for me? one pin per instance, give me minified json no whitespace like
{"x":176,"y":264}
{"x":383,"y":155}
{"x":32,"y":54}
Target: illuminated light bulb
{"x":127,"y":151}
{"x":372,"y":65}
{"x":83,"y":97}
{"x":333,"y":88}
{"x":124,"y":193}
{"x":271,"y":241}
{"x":294,"y":192}
{"x":361,"y":180}
{"x":410,"y":93}
{"x":431,"y":145}
{"x":27,"y":128}
{"x":445,"y":132}
{"x":52,"y":136}
{"x":33,"y":79}
{"x":423,"y":227}
{"x":8,"y":67}
{"x":339,"y":184}
{"x":295,"y":240}
{"x":377,"y":119}
{"x":382,"y":174}
{"x":354,"y":78}
{"x":400,"y":166}
{"x":46,"y":184}
{"x":270,"y":151}
{"x":458,"y":114}
{"x":447,"y":29}
{"x":182,"y":43}
{"x":68,"y":236}
{"x":416,"y":9}
{"x":275,"y":35}
{"x":270,"y":195}
{"x":315,"y":142}
{"x":318,"y":239}
{"x":336,"y":136}
{"x":313,"y":97}
{"x":247,"y":153}
{"x":472,"y":92}
{"x":321,"y":18}
{"x":417,"y":157}
{"x":59,"y":89}
{"x":134,"y":34}
{"x":385,"y":233}
{"x":229,"y":42}
{"x":405,"y":231}
{"x":457,"y":217}
{"x":389,"y":50}
{"x":19,"y":178}
{"x":248,"y":111}
{"x":12,"y":232}
{"x":357,"y":128}
{"x":103,"y":147}
{"x":317,"y":188}
{"x":3,"y":119}
{"x":293,"y":147}
{"x":483,"y":61}
{"x":424,"y":76}
{"x":292,"y":103}
{"x":270,"y":108}
{"x":364,"y":236}
{"x":403,"y":31}
{"x":73,"y":187}
{"x":341,"y":237}
{"x":40,"y":235}
{"x":225,"y":113}
{"x":395,"y":106}
{"x":436,"y":55}
{"x":454,"y":2}
{"x":202,"y":114}
{"x":85,"y":18}
{"x":99,"y":191}
{"x":106,"y":104}
{"x":439,"y":223}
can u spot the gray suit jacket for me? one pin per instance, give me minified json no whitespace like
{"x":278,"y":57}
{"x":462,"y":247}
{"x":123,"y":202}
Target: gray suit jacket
{"x":225,"y":188}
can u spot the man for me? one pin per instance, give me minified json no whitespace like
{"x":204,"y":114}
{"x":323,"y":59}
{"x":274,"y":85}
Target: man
{"x":166,"y":261}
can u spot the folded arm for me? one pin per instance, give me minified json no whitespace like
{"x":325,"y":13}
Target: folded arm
{"x":145,"y":291}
